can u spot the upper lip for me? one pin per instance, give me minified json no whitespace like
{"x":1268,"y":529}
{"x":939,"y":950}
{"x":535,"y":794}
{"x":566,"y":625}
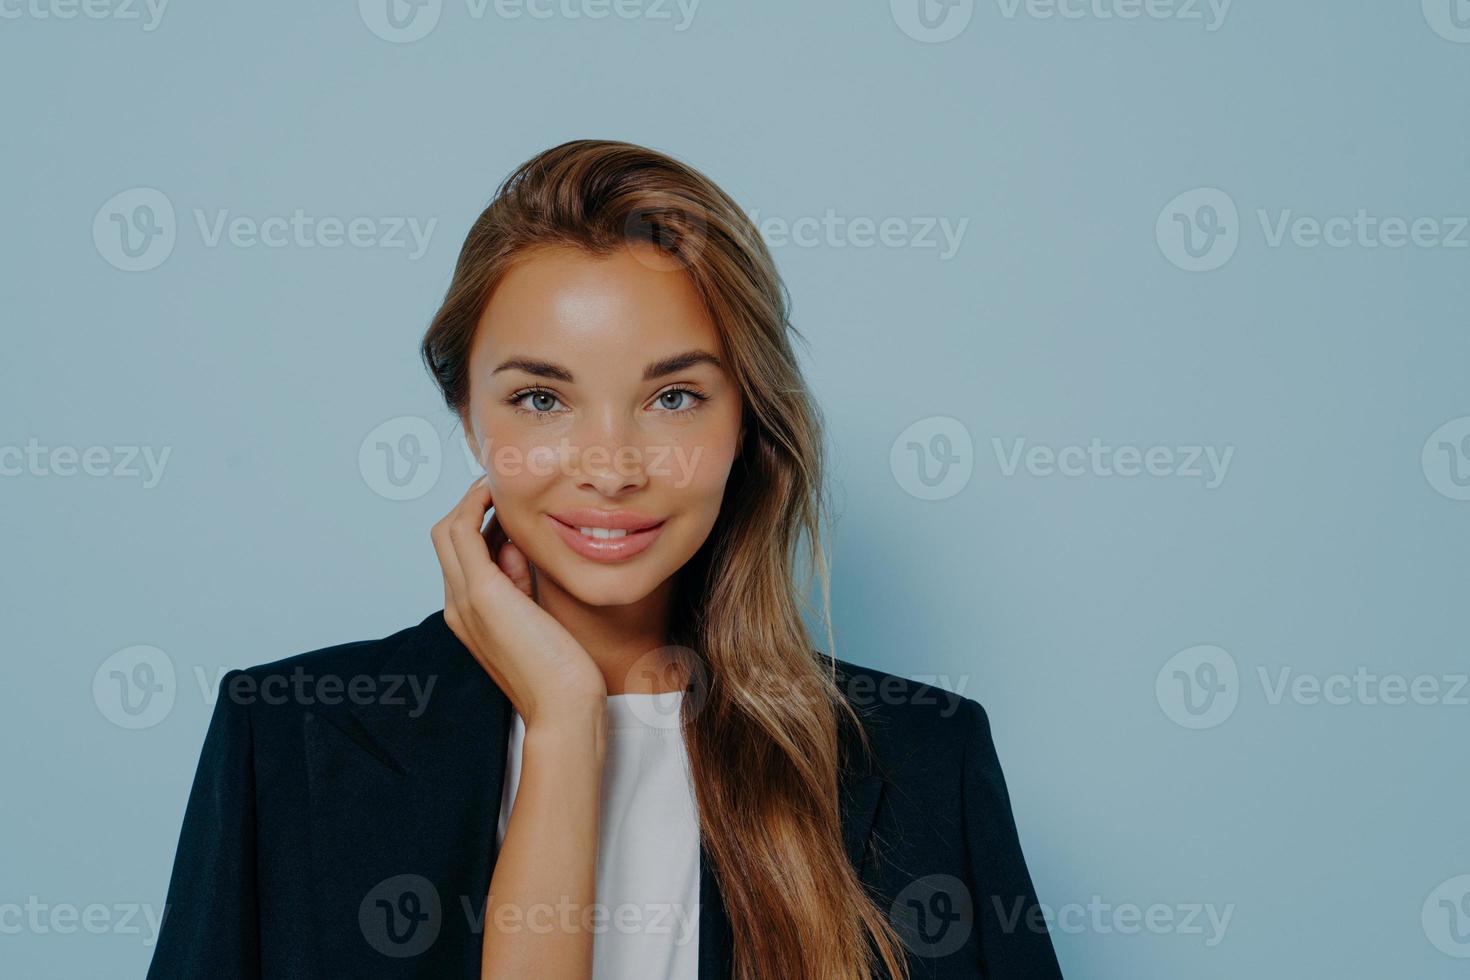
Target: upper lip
{"x":617,"y":520}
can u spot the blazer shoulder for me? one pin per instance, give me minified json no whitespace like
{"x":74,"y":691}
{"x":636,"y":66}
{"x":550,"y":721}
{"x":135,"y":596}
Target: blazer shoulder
{"x":356,"y":656}
{"x":904,"y":708}
{"x":345,"y":658}
{"x":341,"y":674}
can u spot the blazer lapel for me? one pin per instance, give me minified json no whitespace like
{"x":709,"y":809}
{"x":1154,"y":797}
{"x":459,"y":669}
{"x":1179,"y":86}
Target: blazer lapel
{"x":405,"y":794}
{"x":405,"y":799}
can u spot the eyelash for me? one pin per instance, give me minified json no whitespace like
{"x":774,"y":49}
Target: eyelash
{"x":515,"y":399}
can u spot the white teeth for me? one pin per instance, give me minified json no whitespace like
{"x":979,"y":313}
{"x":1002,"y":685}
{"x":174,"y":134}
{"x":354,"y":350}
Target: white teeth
{"x":602,"y":532}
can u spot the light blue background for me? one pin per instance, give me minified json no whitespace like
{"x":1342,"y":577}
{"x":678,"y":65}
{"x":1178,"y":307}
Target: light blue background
{"x":1056,"y":601}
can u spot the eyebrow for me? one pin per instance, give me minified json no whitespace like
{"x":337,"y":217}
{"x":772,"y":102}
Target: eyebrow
{"x":658,"y":369}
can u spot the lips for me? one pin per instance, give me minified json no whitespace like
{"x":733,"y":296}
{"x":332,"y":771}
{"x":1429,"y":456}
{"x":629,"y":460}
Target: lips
{"x":619,"y":520}
{"x":605,"y":536}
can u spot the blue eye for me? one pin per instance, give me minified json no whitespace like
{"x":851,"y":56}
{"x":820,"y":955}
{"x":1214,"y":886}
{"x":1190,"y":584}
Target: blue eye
{"x":681,"y":406}
{"x":677,"y":396}
{"x":543,"y":402}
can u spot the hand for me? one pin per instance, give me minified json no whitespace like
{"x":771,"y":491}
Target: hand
{"x":489,"y":604}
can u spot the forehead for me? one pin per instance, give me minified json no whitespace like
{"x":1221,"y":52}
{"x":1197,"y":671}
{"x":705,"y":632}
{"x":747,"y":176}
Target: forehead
{"x":572,"y":305}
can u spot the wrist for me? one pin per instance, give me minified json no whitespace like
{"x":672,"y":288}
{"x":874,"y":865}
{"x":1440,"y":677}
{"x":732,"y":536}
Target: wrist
{"x":575,"y":731}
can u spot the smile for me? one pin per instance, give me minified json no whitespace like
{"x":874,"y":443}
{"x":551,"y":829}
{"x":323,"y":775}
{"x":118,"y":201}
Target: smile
{"x":591,"y":535}
{"x":602,"y":532}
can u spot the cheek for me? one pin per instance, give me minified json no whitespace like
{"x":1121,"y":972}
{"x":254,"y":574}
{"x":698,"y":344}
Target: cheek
{"x":520,"y":465}
{"x":544,"y":461}
{"x":698,"y":469}
{"x":519,"y":473}
{"x":695,"y":475}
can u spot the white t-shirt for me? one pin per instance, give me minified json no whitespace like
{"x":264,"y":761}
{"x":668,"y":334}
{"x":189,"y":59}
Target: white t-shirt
{"x":647,"y":924}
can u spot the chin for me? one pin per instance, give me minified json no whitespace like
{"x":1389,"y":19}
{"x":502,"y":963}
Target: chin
{"x":607,"y":585}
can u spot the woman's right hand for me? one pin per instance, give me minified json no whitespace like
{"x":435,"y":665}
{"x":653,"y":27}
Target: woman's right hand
{"x":548,"y":676}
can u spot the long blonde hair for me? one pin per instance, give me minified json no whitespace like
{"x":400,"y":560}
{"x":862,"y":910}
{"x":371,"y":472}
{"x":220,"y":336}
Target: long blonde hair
{"x":764,"y":753}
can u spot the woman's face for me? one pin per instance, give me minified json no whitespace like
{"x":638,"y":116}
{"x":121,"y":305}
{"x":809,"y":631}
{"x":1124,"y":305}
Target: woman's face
{"x":599,"y":399}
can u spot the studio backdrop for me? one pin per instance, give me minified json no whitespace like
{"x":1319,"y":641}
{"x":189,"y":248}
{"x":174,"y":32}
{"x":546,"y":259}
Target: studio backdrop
{"x":1139,"y":329}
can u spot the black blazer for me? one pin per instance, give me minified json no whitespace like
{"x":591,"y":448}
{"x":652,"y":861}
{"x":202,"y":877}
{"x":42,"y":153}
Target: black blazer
{"x":337,"y":832}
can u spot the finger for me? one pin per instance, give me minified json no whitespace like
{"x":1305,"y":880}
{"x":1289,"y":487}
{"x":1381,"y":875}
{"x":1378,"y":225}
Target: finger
{"x":516,"y":566}
{"x":454,"y":579}
{"x":481,"y":576}
{"x":448,"y":563}
{"x":495,"y":535}
{"x":512,"y":561}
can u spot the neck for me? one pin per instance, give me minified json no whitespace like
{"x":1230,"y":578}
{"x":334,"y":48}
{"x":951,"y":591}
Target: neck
{"x":624,"y":641}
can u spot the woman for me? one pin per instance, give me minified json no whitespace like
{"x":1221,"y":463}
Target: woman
{"x":494,"y":792}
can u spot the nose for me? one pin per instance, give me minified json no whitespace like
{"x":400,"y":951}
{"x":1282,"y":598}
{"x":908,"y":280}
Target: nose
{"x":610,"y":465}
